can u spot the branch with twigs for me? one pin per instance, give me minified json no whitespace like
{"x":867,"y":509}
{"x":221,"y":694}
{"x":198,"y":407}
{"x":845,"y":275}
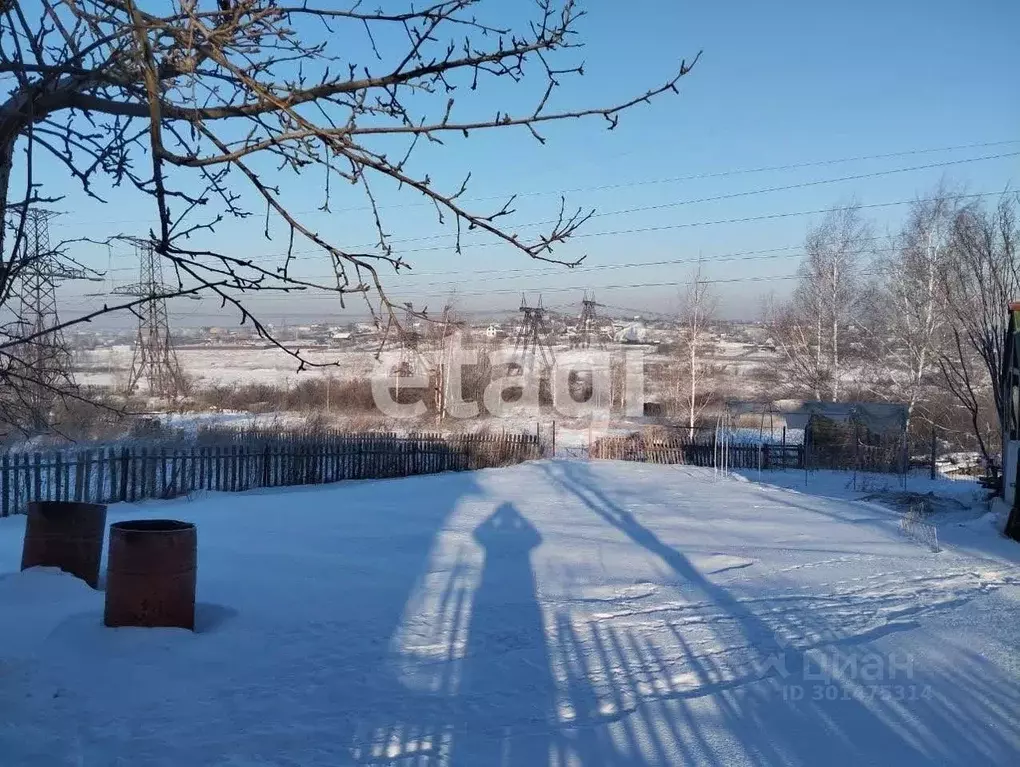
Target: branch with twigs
{"x":205,"y":111}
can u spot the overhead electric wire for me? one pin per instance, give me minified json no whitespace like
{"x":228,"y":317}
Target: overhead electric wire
{"x":545,"y":290}
{"x":636,"y":230}
{"x":766,"y":254}
{"x":647,"y":182}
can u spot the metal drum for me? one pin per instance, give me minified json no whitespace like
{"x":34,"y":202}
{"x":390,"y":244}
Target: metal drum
{"x":150,"y":574}
{"x":67,"y":535}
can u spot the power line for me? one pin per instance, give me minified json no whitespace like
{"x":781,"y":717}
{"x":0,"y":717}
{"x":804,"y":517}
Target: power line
{"x":638,"y":230}
{"x":665,"y":180}
{"x":565,"y":289}
{"x":794,"y":166}
{"x":745,"y":219}
{"x":766,"y":254}
{"x":806,"y":184}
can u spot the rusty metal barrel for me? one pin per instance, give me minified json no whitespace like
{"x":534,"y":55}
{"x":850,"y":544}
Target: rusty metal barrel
{"x":65,"y":534}
{"x":150,"y":574}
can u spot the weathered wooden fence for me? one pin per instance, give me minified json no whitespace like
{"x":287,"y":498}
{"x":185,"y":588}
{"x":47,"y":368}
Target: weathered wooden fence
{"x":133,"y":473}
{"x":695,"y":453}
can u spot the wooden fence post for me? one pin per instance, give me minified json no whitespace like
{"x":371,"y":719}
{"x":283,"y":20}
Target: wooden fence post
{"x":56,"y":467}
{"x":5,"y":477}
{"x":80,"y":469}
{"x":126,"y":466}
{"x":37,"y":486}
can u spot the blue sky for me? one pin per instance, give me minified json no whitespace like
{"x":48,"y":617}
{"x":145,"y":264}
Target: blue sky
{"x":777,"y":84}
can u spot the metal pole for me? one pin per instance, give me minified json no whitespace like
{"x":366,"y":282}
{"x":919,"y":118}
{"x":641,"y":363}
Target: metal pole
{"x":857,"y":451}
{"x":807,"y":441}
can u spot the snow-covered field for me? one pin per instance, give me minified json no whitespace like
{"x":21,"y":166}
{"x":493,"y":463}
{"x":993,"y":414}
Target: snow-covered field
{"x":559,"y":612}
{"x":215,"y":366}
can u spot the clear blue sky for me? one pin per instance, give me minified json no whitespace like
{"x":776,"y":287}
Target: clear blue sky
{"x":778,"y":83}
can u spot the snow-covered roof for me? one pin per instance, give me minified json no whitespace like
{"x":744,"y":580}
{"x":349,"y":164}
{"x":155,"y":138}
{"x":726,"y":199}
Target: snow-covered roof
{"x":879,"y":417}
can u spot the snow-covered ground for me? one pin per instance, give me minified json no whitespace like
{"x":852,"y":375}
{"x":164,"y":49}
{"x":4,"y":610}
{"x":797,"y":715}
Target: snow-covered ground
{"x":559,"y":612}
{"x":216,"y":366}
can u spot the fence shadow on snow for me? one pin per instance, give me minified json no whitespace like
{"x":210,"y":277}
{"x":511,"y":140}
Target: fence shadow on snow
{"x":739,"y":654}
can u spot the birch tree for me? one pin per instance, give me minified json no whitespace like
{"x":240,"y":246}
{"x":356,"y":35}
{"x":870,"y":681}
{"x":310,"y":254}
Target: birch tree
{"x":835,"y":252}
{"x":909,"y":322}
{"x":698,"y":306}
{"x":811,"y":331}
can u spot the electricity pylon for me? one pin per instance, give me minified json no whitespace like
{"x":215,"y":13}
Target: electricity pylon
{"x":44,"y":355}
{"x":589,"y":327}
{"x":532,"y":339}
{"x":154,"y":357}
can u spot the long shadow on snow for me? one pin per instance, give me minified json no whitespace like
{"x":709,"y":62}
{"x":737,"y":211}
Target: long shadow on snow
{"x":771,"y":726}
{"x":505,"y":670}
{"x":494,"y":699}
{"x":490,"y":700}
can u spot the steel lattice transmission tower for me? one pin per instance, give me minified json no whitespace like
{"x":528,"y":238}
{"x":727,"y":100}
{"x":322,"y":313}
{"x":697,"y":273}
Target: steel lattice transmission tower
{"x":45,"y":357}
{"x":531,"y":339}
{"x":589,"y":327}
{"x":154,"y":358}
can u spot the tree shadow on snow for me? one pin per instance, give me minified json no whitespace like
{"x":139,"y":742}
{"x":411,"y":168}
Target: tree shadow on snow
{"x":780,"y":708}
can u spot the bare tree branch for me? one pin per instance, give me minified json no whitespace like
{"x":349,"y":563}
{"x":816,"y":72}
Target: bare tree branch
{"x":205,"y":111}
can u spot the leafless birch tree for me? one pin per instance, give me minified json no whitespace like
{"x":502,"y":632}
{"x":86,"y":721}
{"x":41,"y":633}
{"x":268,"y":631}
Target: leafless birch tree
{"x":811,"y":331}
{"x":908,"y":323}
{"x":693,"y":376}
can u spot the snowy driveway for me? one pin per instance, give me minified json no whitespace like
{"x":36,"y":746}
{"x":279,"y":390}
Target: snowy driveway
{"x":554,"y":613}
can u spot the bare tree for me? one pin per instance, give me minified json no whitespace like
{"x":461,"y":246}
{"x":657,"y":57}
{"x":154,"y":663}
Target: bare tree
{"x":794,"y":329}
{"x":835,"y":254}
{"x":811,"y":332}
{"x":979,"y":282}
{"x":204,"y":109}
{"x":908,"y":324}
{"x":437,"y":354}
{"x":693,"y":381}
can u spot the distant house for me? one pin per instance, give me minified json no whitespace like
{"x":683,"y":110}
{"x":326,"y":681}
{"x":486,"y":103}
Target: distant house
{"x":634,"y":333}
{"x":493,"y":331}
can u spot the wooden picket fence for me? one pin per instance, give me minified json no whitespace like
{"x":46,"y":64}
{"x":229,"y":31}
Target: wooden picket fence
{"x":695,"y":453}
{"x":133,"y":473}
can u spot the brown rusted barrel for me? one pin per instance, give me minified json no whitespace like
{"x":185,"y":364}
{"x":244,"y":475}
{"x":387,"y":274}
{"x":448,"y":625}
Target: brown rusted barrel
{"x":150,"y":574}
{"x":67,"y":535}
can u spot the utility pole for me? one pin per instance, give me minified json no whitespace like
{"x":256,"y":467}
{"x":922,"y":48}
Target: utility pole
{"x":441,"y":365}
{"x":45,"y":357}
{"x":408,"y":341}
{"x":154,"y":358}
